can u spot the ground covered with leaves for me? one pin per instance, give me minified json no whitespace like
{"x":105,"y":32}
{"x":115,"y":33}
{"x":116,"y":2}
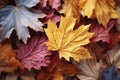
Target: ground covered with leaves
{"x":59,"y":40}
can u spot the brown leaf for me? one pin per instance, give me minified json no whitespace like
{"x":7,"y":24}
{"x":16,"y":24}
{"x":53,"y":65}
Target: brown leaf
{"x":8,"y":62}
{"x":114,"y":40}
{"x":57,"y":70}
{"x":89,"y":69}
{"x":114,"y":56}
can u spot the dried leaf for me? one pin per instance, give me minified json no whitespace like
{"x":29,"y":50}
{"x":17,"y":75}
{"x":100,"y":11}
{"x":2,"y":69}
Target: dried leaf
{"x":96,"y":50}
{"x":102,"y":34}
{"x":55,"y":4}
{"x":110,"y":74}
{"x":67,"y":41}
{"x":52,"y":16}
{"x":57,"y":70}
{"x":8,"y":62}
{"x":114,"y":57}
{"x":34,"y":53}
{"x":115,"y":38}
{"x":18,"y":18}
{"x":103,"y":10}
{"x":75,"y":8}
{"x":89,"y":69}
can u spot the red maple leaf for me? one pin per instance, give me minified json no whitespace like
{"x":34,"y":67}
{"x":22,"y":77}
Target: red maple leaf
{"x":34,"y":53}
{"x":102,"y":34}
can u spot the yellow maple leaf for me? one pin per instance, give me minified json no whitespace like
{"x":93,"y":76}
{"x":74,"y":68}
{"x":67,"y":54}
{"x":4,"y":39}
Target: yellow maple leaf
{"x":103,"y":10}
{"x":75,"y":8}
{"x":8,"y":62}
{"x":67,"y":41}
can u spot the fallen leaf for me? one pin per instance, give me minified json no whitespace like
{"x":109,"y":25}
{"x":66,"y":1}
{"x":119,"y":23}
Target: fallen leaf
{"x":50,"y":15}
{"x":103,"y":10}
{"x":102,"y":34}
{"x":55,"y":4}
{"x":89,"y":69}
{"x":97,"y":50}
{"x":34,"y":54}
{"x":18,"y":18}
{"x":67,"y":41}
{"x":110,"y":74}
{"x":57,"y":69}
{"x":75,"y":8}
{"x":115,"y":38}
{"x":114,"y":56}
{"x":8,"y":61}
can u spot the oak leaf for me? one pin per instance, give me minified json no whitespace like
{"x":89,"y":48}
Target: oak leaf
{"x":67,"y":41}
{"x":103,"y":10}
{"x":34,"y":54}
{"x":57,"y":69}
{"x":8,"y":61}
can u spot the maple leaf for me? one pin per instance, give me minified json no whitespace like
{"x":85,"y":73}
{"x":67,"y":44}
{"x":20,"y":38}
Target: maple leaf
{"x":75,"y":8}
{"x":34,"y":53}
{"x":103,"y":10}
{"x":57,"y":69}
{"x":55,"y":4}
{"x":8,"y":61}
{"x":67,"y":41}
{"x":18,"y":18}
{"x":110,"y":74}
{"x":114,"y":56}
{"x":102,"y":34}
{"x":89,"y":69}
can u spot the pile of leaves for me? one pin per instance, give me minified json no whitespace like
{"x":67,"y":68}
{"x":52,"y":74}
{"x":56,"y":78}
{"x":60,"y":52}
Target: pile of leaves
{"x":59,"y":40}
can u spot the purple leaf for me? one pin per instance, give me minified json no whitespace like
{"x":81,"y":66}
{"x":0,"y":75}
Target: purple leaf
{"x":34,"y":54}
